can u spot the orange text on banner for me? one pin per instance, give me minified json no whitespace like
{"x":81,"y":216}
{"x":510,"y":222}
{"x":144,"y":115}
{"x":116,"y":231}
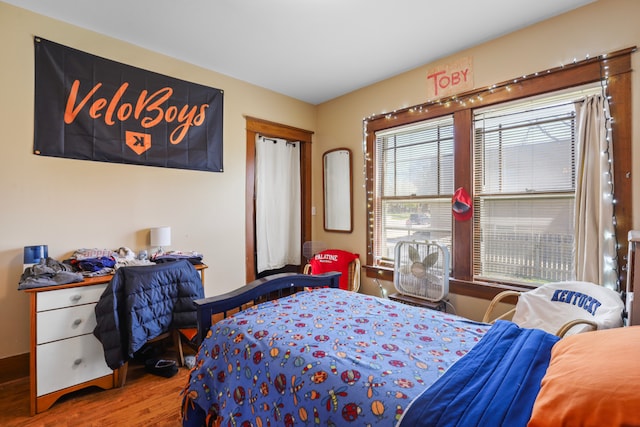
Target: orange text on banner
{"x":149,"y":109}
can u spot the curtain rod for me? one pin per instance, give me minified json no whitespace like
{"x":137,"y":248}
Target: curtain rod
{"x":275,"y":141}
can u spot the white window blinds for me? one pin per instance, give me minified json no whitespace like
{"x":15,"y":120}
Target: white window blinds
{"x":524,"y":173}
{"x":414,"y":185}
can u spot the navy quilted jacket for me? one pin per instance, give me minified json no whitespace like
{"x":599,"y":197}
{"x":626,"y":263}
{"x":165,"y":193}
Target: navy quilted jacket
{"x":142,"y":302}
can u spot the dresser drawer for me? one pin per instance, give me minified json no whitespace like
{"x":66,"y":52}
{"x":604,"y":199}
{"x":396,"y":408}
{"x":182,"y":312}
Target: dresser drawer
{"x":65,"y":323}
{"x":65,"y":363}
{"x":69,"y":297}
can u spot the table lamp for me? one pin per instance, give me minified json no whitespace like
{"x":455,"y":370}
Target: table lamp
{"x":160,"y":237}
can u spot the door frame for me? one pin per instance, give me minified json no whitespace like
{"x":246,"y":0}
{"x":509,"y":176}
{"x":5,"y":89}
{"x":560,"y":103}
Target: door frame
{"x":254,"y":127}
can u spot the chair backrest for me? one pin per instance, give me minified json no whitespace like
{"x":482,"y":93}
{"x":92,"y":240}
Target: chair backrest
{"x":344,"y":262}
{"x":553,"y":305}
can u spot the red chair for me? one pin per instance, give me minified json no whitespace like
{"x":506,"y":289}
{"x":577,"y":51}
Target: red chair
{"x":338,"y":260}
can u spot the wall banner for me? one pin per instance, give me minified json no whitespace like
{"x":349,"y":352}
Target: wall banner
{"x":91,"y":108}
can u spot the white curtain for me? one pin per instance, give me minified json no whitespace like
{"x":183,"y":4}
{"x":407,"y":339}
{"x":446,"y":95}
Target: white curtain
{"x":595,"y":232}
{"x":278,"y":216}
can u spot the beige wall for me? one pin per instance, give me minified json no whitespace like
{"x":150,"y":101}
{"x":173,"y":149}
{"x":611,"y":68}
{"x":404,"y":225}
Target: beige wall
{"x":70,"y":204}
{"x":601,"y":27}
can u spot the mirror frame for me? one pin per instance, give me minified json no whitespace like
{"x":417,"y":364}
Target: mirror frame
{"x":329,"y":196}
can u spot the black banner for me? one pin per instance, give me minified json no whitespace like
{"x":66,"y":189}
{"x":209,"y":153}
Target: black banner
{"x":91,"y":108}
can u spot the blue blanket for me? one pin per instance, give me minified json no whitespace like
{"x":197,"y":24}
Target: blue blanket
{"x":495,"y":384}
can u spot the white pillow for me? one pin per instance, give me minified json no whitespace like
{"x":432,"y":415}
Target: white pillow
{"x":552,"y":305}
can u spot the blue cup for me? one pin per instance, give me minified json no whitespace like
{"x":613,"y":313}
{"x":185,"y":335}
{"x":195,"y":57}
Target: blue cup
{"x":33,"y":254}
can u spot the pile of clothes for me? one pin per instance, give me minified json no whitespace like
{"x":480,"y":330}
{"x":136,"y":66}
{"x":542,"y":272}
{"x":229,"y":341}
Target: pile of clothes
{"x":48,"y":272}
{"x":100,"y":262}
{"x":192,"y":256}
{"x":93,"y":262}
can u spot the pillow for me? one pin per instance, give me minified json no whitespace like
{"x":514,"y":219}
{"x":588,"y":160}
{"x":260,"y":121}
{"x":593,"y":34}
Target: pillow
{"x":550,"y":306}
{"x":591,"y":380}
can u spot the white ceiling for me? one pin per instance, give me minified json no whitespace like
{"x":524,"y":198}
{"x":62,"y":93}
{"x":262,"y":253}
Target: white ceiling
{"x":312,"y":50}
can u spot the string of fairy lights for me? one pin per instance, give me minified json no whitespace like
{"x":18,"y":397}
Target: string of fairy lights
{"x":610,"y":271}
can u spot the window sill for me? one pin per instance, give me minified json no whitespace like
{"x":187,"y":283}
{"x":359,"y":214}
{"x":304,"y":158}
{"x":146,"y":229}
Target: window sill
{"x":484,"y":290}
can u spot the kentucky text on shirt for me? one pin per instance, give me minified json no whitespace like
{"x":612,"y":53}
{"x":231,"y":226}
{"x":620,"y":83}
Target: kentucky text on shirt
{"x":149,"y":109}
{"x":583,"y":301}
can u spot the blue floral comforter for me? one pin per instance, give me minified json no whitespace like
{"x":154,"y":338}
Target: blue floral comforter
{"x":320,"y":358}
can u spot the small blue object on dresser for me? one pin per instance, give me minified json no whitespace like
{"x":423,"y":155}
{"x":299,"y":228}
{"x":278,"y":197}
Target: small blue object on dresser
{"x":33,"y":255}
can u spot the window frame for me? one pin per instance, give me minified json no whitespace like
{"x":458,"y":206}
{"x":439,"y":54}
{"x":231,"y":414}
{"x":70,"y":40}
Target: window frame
{"x":615,"y":66}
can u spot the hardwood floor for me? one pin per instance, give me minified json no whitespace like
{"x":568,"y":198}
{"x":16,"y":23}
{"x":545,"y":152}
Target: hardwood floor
{"x":145,"y":400}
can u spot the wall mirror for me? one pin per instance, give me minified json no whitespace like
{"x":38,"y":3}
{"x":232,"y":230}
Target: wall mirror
{"x":337,"y":182}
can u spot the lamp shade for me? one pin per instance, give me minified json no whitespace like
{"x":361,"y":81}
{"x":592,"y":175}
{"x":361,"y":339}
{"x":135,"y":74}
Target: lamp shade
{"x":161,"y":236}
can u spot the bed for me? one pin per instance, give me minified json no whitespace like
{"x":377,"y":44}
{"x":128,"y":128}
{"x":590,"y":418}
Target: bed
{"x":325,"y":356}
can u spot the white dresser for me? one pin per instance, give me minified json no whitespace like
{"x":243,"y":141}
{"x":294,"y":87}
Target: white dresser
{"x":65,"y":356}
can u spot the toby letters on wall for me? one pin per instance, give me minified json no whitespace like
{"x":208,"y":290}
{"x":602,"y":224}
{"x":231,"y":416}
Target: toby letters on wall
{"x":450,"y":79}
{"x":91,"y":108}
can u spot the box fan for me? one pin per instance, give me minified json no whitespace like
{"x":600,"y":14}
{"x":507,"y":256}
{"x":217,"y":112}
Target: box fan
{"x":421,"y":270}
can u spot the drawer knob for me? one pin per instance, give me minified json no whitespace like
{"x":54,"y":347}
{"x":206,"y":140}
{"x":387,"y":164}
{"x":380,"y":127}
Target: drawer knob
{"x":77,"y":362}
{"x":76,"y":298}
{"x":77,"y":322}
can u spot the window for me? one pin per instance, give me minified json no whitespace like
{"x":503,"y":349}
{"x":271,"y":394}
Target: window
{"x":414,"y":185}
{"x":524,"y":185}
{"x":516,"y":160}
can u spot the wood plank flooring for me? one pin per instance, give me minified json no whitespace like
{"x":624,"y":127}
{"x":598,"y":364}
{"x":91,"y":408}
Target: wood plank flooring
{"x":145,"y":400}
